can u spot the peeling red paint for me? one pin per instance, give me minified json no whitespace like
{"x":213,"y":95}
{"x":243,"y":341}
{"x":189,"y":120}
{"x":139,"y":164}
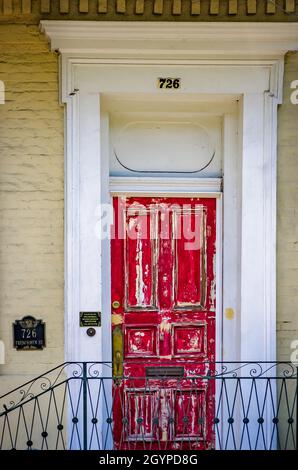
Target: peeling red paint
{"x":166,"y":288}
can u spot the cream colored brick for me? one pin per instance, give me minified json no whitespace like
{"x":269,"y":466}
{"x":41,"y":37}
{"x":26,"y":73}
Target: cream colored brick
{"x":31,"y":197}
{"x":27,"y":77}
{"x":287,"y":227}
{"x":29,"y":68}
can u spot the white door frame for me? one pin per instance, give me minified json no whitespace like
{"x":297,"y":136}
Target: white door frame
{"x":211,"y":58}
{"x":216,"y":59}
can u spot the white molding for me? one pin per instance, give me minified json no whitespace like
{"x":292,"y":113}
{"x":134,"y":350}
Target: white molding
{"x":238,"y":84}
{"x":244,"y":60}
{"x":165,"y":186}
{"x":270,"y":188}
{"x":232,"y":236}
{"x":246,"y":44}
{"x":225,"y":38}
{"x":83,"y":73}
{"x":72,"y":232}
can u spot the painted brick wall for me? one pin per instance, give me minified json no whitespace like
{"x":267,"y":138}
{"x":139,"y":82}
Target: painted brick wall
{"x":31,"y":198}
{"x":287,"y":199}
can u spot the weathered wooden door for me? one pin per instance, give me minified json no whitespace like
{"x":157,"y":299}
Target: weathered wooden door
{"x":163,"y":320}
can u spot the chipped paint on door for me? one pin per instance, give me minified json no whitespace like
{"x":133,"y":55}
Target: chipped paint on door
{"x":164,"y":281}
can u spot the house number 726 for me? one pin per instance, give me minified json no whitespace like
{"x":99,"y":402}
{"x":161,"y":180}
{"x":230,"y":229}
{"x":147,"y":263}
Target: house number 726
{"x":168,"y":83}
{"x":28,"y":333}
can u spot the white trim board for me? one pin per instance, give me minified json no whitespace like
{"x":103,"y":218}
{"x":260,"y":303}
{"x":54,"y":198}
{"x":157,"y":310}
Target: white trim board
{"x":198,"y":38}
{"x":165,"y":186}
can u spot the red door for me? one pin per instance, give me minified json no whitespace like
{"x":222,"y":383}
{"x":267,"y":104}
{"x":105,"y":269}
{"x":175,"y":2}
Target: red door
{"x":163,"y":317}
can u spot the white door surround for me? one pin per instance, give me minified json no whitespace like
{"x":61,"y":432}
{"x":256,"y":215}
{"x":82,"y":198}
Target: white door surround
{"x":211,"y":59}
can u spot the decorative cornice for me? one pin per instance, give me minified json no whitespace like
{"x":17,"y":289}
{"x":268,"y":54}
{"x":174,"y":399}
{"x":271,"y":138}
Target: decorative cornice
{"x":225,"y":44}
{"x":32,"y":11}
{"x":166,"y":40}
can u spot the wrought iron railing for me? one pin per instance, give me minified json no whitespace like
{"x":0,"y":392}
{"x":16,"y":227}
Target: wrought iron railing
{"x":81,"y":406}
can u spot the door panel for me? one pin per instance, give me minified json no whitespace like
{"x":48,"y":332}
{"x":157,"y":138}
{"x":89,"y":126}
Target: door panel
{"x":139,"y":263}
{"x":189,"y":254}
{"x":141,"y":341}
{"x":191,"y":404}
{"x":163,"y":305}
{"x":189,"y":340}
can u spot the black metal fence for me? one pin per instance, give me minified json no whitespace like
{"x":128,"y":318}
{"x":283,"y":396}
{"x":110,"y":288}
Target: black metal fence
{"x":253,"y":405}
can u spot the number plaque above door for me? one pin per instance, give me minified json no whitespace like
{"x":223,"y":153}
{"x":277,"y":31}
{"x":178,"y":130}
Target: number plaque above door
{"x":169,"y":83}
